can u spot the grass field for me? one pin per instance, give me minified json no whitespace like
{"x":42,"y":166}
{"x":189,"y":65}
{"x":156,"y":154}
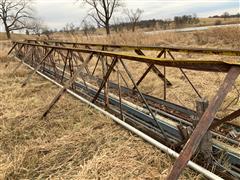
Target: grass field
{"x":73,"y":142}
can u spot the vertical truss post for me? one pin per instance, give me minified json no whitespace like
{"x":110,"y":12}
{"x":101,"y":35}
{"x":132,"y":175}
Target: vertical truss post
{"x":204,"y":124}
{"x":67,"y":86}
{"x":165,"y":81}
{"x":205,"y":147}
{"x":106,"y":86}
{"x":119,"y":93}
{"x":37,"y":68}
{"x":65,"y":65}
{"x":105,"y":69}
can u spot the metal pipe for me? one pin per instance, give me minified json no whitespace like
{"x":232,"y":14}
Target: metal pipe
{"x":152,"y":141}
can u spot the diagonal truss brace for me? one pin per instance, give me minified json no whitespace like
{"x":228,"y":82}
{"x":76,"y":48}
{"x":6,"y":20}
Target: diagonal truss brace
{"x":68,"y":85}
{"x":37,"y":68}
{"x":204,"y":124}
{"x":153,"y":68}
{"x":110,"y":69}
{"x":185,"y":75}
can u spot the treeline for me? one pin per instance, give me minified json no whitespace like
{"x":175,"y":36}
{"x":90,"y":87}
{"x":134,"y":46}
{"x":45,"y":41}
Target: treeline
{"x":178,"y":21}
{"x":226,"y":15}
{"x":186,"y":19}
{"x":151,"y":23}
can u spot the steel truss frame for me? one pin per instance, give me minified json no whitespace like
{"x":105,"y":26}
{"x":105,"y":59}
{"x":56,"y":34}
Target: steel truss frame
{"x":43,"y":55}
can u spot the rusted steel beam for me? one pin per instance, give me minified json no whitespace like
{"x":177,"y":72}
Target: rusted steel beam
{"x":21,"y":62}
{"x":106,"y":86}
{"x":199,"y":65}
{"x":144,"y":75}
{"x":119,"y":93}
{"x":165,"y":79}
{"x":228,"y":118}
{"x":68,"y":85}
{"x":37,"y":68}
{"x":204,"y":124}
{"x":205,"y":147}
{"x":105,"y":79}
{"x":95,"y":67}
{"x":154,"y":68}
{"x":14,"y":45}
{"x":77,"y":55}
{"x":145,"y":102}
{"x":185,"y":75}
{"x":228,"y":52}
{"x":161,"y":76}
{"x":10,"y":51}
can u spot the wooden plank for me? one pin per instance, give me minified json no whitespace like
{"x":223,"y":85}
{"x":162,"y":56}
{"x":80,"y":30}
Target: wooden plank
{"x":204,"y":124}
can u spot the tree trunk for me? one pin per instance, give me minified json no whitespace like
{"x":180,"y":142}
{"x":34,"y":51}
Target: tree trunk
{"x":107,"y":30}
{"x":7,"y":30}
{"x":134,"y":26}
{"x":107,"y":27}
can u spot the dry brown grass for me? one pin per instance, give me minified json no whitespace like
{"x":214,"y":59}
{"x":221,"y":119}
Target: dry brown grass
{"x":73,"y":142}
{"x":15,"y":37}
{"x":212,"y":21}
{"x":226,"y":37}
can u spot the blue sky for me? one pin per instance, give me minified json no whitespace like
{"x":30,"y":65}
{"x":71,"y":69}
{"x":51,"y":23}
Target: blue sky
{"x":57,"y":13}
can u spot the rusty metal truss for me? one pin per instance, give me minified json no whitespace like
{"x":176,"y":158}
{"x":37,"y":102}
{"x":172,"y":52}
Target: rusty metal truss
{"x":68,"y":63}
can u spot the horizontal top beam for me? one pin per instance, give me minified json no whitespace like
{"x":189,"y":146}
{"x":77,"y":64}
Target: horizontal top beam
{"x":227,"y":52}
{"x":199,"y":65}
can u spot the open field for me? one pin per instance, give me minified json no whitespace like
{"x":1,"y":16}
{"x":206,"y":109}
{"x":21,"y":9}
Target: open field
{"x":73,"y":142}
{"x":212,"y":21}
{"x":226,"y":37}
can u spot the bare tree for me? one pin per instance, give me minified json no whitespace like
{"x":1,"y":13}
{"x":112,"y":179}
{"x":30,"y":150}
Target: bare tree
{"x":117,"y":24}
{"x":226,"y":15}
{"x":15,"y":14}
{"x":87,"y":28}
{"x":37,"y":26}
{"x":102,"y":10}
{"x":70,"y":28}
{"x":134,"y":16}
